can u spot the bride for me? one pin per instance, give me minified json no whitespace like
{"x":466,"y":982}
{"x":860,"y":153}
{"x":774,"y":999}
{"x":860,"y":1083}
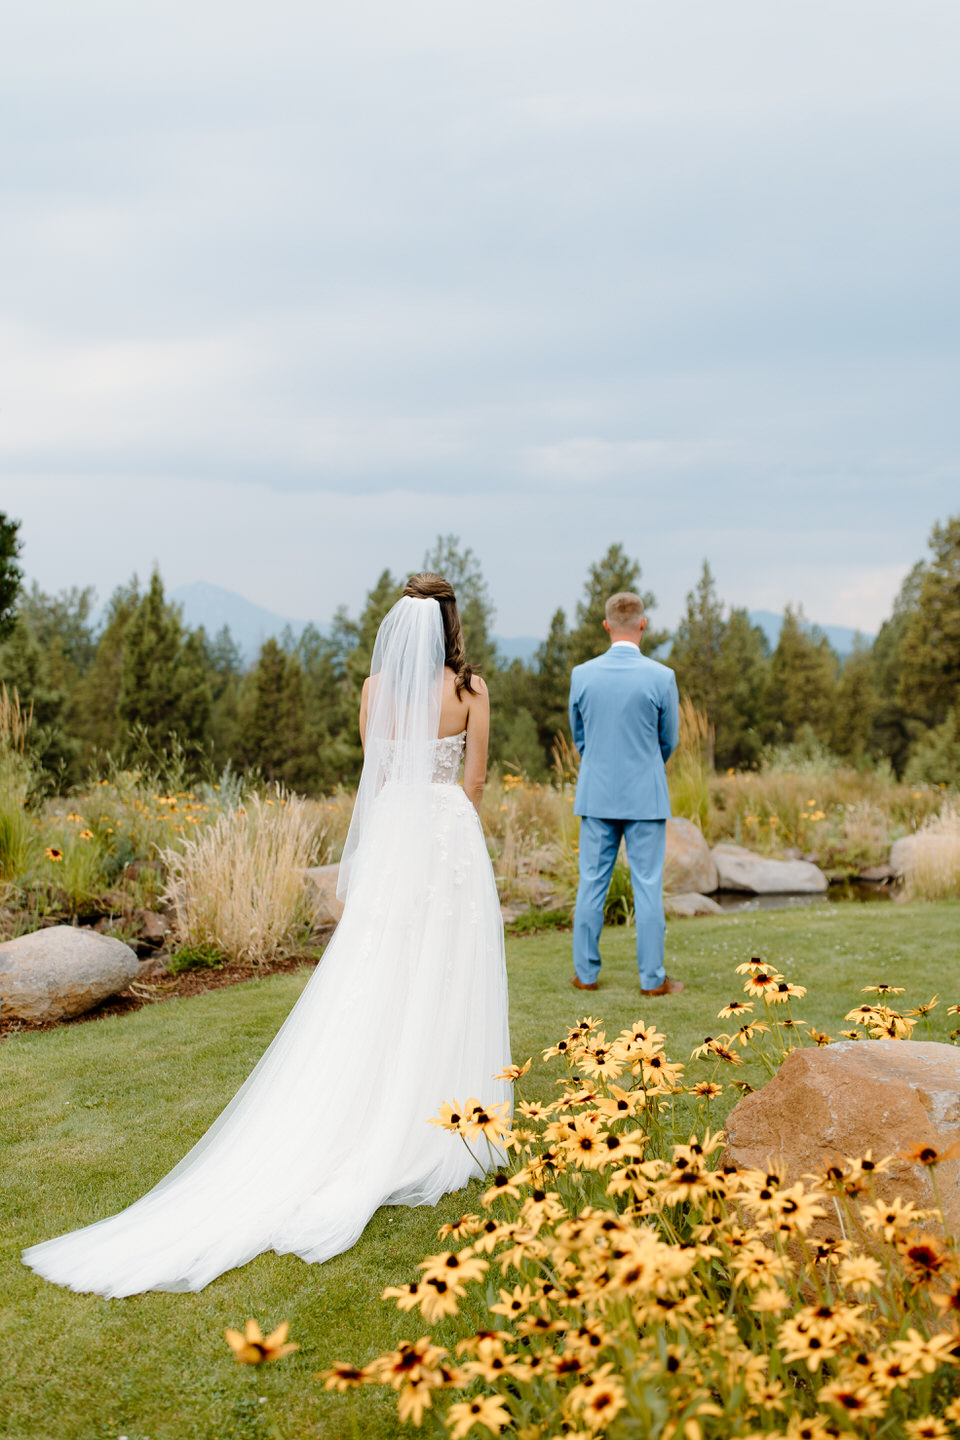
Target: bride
{"x":407,"y":1009}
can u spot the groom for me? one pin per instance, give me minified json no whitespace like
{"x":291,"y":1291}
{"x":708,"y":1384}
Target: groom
{"x":624,"y":715}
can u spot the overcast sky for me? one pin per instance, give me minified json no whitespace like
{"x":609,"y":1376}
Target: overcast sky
{"x":288,"y":288}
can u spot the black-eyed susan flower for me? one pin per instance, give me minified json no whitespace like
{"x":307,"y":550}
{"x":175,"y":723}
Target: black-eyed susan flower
{"x":925,"y":1153}
{"x":513,"y":1072}
{"x":929,"y":1427}
{"x":858,"y":1401}
{"x":252,"y":1348}
{"x":86,"y":834}
{"x":54,"y":853}
{"x":488,"y":1410}
{"x":491,"y":1121}
{"x":450,"y":1117}
{"x":342,"y":1377}
{"x":735,"y":1007}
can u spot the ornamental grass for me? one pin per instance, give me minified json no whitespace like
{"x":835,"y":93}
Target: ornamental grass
{"x":933,"y":871}
{"x":621,"y":1279}
{"x":239,"y":885}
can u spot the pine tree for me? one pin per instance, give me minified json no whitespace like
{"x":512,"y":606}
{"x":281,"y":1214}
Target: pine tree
{"x":929,"y":681}
{"x":616,"y":572}
{"x":740,"y":707}
{"x":855,"y":704}
{"x":893,"y":729}
{"x":551,"y":684}
{"x":697,"y":649}
{"x":462,"y":569}
{"x":163,"y":685}
{"x":11,"y":576}
{"x":803,"y":679}
{"x":93,"y":710}
{"x":273,"y":717}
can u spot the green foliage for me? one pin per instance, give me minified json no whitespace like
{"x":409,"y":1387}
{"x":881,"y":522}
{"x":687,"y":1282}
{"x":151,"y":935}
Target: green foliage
{"x":723,"y":667}
{"x":616,"y":572}
{"x":11,"y":575}
{"x":462,"y":569}
{"x":855,"y":705}
{"x":273,"y":727}
{"x":196,"y":957}
{"x":803,"y":679}
{"x":94,"y":706}
{"x":163,"y":683}
{"x":929,"y":680}
{"x":935,"y":758}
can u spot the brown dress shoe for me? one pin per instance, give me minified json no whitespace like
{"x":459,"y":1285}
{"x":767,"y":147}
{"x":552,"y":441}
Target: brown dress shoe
{"x":578,"y":984}
{"x":669,"y":987}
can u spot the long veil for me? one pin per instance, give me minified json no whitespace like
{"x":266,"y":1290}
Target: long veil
{"x":403,"y":714}
{"x":407,"y":1008}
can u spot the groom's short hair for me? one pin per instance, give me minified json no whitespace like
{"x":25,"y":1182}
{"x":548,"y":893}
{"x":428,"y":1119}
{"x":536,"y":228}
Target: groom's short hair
{"x":624,"y":611}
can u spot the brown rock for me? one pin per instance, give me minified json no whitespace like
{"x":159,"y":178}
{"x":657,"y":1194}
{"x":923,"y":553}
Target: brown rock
{"x":62,"y":971}
{"x":683,"y":907}
{"x":877,"y":875}
{"x":886,"y":1096}
{"x":323,"y":880}
{"x":153,"y":928}
{"x":688,"y":866}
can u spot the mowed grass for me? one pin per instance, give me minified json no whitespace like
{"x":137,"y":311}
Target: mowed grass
{"x":92,"y":1115}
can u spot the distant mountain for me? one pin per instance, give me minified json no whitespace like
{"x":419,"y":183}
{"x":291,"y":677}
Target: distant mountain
{"x":841,"y":637}
{"x":213,"y":607}
{"x":249,"y":624}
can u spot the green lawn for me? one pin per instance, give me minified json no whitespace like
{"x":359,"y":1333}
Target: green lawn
{"x":91,"y":1115}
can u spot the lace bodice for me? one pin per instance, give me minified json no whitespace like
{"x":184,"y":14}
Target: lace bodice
{"x":447,"y":757}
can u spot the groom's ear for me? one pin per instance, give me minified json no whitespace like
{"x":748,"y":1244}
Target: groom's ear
{"x":606,"y":626}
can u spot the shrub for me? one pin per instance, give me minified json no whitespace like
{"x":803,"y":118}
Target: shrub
{"x":935,"y":758}
{"x":621,"y":1284}
{"x":239,"y":886}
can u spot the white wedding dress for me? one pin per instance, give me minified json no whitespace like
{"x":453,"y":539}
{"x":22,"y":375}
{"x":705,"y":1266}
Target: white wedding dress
{"x":407,"y":1009}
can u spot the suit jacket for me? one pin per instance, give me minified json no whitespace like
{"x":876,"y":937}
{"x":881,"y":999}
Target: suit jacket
{"x":625,"y":719}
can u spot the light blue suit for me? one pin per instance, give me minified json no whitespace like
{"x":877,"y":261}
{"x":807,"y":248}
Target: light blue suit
{"x":624,"y":715}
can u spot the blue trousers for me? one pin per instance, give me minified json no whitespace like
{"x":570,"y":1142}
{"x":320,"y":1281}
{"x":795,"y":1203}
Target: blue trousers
{"x":599,"y":843}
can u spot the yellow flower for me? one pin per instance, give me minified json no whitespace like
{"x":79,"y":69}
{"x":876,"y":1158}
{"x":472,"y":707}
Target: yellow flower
{"x":929,"y":1428}
{"x":341,"y":1377}
{"x":492,"y":1121}
{"x":861,"y":1273}
{"x":860,"y":1401}
{"x":251,"y":1348}
{"x":77,"y":819}
{"x":513,"y":1072}
{"x":449,"y":1118}
{"x":86,"y":834}
{"x":486,"y":1410}
{"x":53,"y":853}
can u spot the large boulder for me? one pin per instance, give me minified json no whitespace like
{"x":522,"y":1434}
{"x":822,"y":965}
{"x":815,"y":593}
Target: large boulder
{"x":741,"y":869}
{"x":322,"y":880}
{"x":62,"y":971}
{"x":688,"y":866}
{"x":886,"y":1096}
{"x":684,"y":907}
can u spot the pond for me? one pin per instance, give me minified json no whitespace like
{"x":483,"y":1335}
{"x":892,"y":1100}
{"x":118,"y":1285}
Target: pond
{"x":844,"y":892}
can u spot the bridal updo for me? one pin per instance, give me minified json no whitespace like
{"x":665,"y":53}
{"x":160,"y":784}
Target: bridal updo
{"x":427,"y":586}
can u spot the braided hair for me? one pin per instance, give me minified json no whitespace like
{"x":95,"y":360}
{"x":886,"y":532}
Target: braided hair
{"x":427,"y":586}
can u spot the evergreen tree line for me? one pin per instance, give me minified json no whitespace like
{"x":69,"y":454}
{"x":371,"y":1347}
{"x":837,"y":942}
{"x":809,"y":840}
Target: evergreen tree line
{"x":140,"y":682}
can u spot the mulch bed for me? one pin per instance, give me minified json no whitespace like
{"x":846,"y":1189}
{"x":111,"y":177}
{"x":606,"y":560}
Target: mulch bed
{"x":165,"y":987}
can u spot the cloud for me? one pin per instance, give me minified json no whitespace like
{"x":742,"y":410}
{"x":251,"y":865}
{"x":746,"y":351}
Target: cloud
{"x":326,"y":281}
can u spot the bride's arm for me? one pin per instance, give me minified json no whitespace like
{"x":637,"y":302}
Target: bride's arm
{"x":478,"y":737}
{"x":363,"y":711}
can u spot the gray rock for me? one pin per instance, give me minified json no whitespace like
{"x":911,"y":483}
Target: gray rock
{"x":685,"y":906}
{"x":688,"y":866}
{"x":741,"y":869}
{"x":323,"y":881}
{"x":56,"y":973}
